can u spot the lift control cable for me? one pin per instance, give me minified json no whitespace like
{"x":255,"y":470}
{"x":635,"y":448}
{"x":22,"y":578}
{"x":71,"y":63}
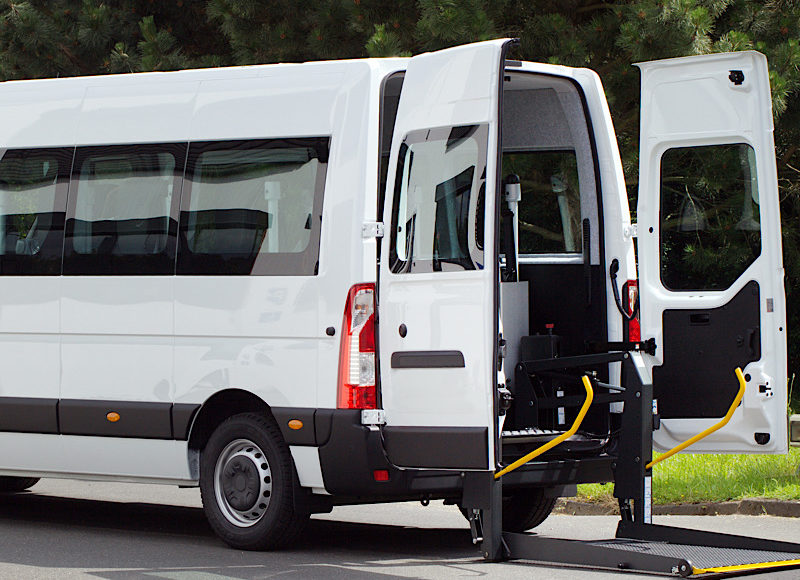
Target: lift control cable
{"x":612,"y":273}
{"x":558,"y":440}
{"x":724,"y":421}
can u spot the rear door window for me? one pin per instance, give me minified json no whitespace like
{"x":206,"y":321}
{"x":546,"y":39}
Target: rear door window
{"x":710,"y":222}
{"x":438,"y":207}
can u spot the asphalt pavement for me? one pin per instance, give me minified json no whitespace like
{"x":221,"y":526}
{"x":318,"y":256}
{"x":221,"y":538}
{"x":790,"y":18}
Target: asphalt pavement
{"x":89,"y":530}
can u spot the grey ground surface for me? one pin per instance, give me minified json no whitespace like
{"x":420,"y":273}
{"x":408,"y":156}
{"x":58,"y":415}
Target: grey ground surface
{"x":68,"y":529}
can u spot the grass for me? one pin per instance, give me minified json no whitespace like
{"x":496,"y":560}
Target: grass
{"x":704,"y":478}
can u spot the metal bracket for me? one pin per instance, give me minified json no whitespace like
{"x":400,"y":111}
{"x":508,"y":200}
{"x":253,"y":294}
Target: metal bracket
{"x":646,"y":346}
{"x":475,"y":526}
{"x":372,"y":230}
{"x":373,"y":417}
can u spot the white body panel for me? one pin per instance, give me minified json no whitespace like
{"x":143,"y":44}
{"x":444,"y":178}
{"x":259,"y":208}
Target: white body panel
{"x":306,"y":462}
{"x":181,"y":339}
{"x":692,"y":102}
{"x":29,"y":327}
{"x":113,"y":326}
{"x":93,"y":457}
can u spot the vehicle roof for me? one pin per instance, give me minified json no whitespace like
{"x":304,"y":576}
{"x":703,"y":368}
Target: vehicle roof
{"x":245,"y":102}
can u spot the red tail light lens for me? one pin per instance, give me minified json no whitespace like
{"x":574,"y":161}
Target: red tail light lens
{"x":631,"y":290}
{"x":356,"y":389}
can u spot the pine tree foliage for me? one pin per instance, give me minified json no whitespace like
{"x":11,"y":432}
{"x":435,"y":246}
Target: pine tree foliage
{"x":41,"y":38}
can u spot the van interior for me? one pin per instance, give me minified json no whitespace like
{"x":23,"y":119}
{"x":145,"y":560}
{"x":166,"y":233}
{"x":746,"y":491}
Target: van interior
{"x":553,"y":300}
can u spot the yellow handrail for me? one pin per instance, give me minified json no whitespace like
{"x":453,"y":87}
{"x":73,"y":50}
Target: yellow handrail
{"x":710,"y":430}
{"x":552,"y":443}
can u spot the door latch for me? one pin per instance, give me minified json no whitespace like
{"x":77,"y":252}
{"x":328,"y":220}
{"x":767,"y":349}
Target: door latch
{"x":502,"y":350}
{"x":506,"y":398}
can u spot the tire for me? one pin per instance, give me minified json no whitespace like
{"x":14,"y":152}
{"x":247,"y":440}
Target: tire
{"x":16,"y":484}
{"x":248,"y":485}
{"x":524,"y":509}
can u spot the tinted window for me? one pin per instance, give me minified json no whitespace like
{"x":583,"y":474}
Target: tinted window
{"x":437,"y":221}
{"x":253,"y":207}
{"x":710,"y":226}
{"x":549,"y":213}
{"x":122,"y":204}
{"x":33,"y":187}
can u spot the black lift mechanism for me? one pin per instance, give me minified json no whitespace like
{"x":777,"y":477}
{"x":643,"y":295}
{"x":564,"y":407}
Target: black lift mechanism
{"x":639,"y":545}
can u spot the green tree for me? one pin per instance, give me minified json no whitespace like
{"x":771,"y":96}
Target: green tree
{"x":78,"y":37}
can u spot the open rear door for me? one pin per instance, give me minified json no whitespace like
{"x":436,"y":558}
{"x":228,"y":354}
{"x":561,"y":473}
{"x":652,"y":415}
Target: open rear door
{"x":710,"y":265}
{"x":437,"y":312}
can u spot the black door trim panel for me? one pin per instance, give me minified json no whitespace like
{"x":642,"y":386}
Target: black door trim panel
{"x":133,"y":419}
{"x":702,"y":347}
{"x":29,"y":415}
{"x":144,"y":420}
{"x":428,"y":359}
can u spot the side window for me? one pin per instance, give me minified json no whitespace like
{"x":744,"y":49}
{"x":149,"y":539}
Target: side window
{"x":437,"y":216}
{"x":253,"y":207}
{"x":122,"y":203}
{"x":710,"y":227}
{"x":33,"y":193}
{"x":549,"y":213}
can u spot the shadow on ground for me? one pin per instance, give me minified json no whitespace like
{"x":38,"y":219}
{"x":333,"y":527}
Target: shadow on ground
{"x":142,"y":540}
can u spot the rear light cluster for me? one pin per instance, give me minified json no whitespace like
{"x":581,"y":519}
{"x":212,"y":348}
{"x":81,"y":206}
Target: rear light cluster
{"x":631,"y":290}
{"x":356,"y":389}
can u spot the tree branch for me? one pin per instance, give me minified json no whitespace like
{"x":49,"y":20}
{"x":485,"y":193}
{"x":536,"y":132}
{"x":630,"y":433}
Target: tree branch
{"x":786,"y":157}
{"x":593,"y":7}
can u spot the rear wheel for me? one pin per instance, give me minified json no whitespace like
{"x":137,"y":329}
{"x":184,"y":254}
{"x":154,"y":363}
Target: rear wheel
{"x":248,"y":484}
{"x":16,"y":484}
{"x":526,"y":509}
{"x":523,"y":509}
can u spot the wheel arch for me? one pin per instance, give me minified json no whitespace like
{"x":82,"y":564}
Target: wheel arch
{"x":219,"y":407}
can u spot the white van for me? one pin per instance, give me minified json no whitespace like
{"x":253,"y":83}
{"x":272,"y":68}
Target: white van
{"x":305,"y":285}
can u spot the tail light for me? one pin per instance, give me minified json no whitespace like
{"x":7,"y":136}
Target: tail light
{"x":631,"y":291}
{"x":356,"y":389}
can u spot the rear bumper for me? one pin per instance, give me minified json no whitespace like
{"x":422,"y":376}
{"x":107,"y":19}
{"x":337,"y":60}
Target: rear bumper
{"x":353,"y":453}
{"x":350,"y":454}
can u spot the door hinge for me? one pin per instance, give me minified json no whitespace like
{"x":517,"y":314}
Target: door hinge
{"x":373,"y":417}
{"x":631,"y":231}
{"x":372,"y":230}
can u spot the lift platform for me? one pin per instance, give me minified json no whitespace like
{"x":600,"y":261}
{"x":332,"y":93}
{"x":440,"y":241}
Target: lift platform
{"x":639,"y":544}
